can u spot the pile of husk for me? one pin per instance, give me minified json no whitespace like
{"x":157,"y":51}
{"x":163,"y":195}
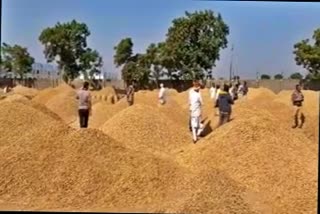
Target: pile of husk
{"x":25,"y":91}
{"x":143,"y":160}
{"x":60,"y":100}
{"x":144,"y":128}
{"x":282,"y":171}
{"x":107,"y":95}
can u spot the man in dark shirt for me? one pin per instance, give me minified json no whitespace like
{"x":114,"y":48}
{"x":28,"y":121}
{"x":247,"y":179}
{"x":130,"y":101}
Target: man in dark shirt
{"x":224,"y":103}
{"x":297,"y":99}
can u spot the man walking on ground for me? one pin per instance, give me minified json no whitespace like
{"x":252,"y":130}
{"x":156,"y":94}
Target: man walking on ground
{"x":84,"y":98}
{"x":195,"y":102}
{"x":243,"y":90}
{"x":130,"y":94}
{"x":297,"y":99}
{"x":224,"y":103}
{"x":162,"y":94}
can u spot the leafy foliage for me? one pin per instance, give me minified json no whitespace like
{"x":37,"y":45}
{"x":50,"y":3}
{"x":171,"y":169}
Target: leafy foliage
{"x":16,"y":59}
{"x":296,"y":76}
{"x":308,"y":55}
{"x":135,"y":67}
{"x":193,"y":43}
{"x":67,"y":45}
{"x":265,"y":77}
{"x":278,"y":77}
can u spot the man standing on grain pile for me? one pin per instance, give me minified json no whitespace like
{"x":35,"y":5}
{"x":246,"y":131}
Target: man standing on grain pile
{"x":162,"y":94}
{"x":195,"y":102}
{"x":297,"y":99}
{"x":224,"y":103}
{"x":130,"y":94}
{"x":84,"y":97}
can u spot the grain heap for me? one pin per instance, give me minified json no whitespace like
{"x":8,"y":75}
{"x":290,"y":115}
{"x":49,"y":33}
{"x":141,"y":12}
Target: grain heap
{"x":13,"y":97}
{"x":27,"y":92}
{"x":146,"y":129}
{"x":250,"y":152}
{"x":47,"y":166}
{"x":63,"y":102}
{"x":101,"y":113}
{"x":107,"y":95}
{"x":261,"y":94}
{"x":45,"y":95}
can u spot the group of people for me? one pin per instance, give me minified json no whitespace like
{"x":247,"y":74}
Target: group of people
{"x":223,"y":98}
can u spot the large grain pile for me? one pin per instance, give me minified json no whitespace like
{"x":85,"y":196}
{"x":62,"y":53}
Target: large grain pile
{"x":60,"y":100}
{"x":250,"y":151}
{"x":143,"y":158}
{"x":51,"y":167}
{"x":25,"y":91}
{"x":144,"y":128}
{"x":107,"y":95}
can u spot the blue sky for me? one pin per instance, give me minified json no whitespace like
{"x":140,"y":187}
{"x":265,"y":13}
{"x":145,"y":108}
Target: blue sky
{"x":263,"y":33}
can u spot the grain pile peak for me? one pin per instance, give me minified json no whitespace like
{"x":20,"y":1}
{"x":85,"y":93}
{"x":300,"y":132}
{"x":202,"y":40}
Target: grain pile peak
{"x":81,"y":170}
{"x":261,"y":94}
{"x":25,"y":91}
{"x":63,"y":102}
{"x":142,"y":127}
{"x":251,"y":151}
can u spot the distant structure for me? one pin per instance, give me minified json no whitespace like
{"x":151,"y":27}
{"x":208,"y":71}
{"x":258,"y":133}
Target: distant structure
{"x":44,"y":71}
{"x":39,"y":71}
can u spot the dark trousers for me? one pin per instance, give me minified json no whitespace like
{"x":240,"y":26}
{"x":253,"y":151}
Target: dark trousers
{"x":84,"y":117}
{"x":224,"y":117}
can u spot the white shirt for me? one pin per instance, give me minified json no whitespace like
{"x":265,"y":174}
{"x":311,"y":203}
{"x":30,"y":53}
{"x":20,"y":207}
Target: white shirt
{"x":195,"y":102}
{"x":162,"y":93}
{"x":213,"y":92}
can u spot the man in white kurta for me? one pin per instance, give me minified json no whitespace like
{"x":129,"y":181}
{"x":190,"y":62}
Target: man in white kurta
{"x":195,"y":102}
{"x":162,"y":94}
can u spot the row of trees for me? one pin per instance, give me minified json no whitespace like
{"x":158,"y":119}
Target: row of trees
{"x":296,"y":76}
{"x":190,"y":50}
{"x":65,"y":44}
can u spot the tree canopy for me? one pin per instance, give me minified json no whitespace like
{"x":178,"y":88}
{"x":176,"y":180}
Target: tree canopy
{"x":278,"y":77}
{"x":307,"y":54}
{"x":194,"y":42}
{"x":265,"y":77}
{"x":296,"y":76}
{"x":16,"y":59}
{"x":66,"y":44}
{"x":134,"y":66}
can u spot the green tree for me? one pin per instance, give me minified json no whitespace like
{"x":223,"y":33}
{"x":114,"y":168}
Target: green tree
{"x":265,"y":77}
{"x":134,"y":66}
{"x":91,"y":63}
{"x":66,"y":44}
{"x":296,"y":76}
{"x":308,"y":55}
{"x":16,"y":59}
{"x":278,"y":77}
{"x":193,"y":43}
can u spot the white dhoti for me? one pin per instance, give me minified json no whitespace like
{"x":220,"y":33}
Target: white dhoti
{"x":197,"y":127}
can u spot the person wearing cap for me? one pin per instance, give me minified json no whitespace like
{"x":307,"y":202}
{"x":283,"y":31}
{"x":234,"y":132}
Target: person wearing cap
{"x":297,"y":99}
{"x":162,"y":94}
{"x":195,"y":102}
{"x":84,"y":109}
{"x":224,"y":103}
